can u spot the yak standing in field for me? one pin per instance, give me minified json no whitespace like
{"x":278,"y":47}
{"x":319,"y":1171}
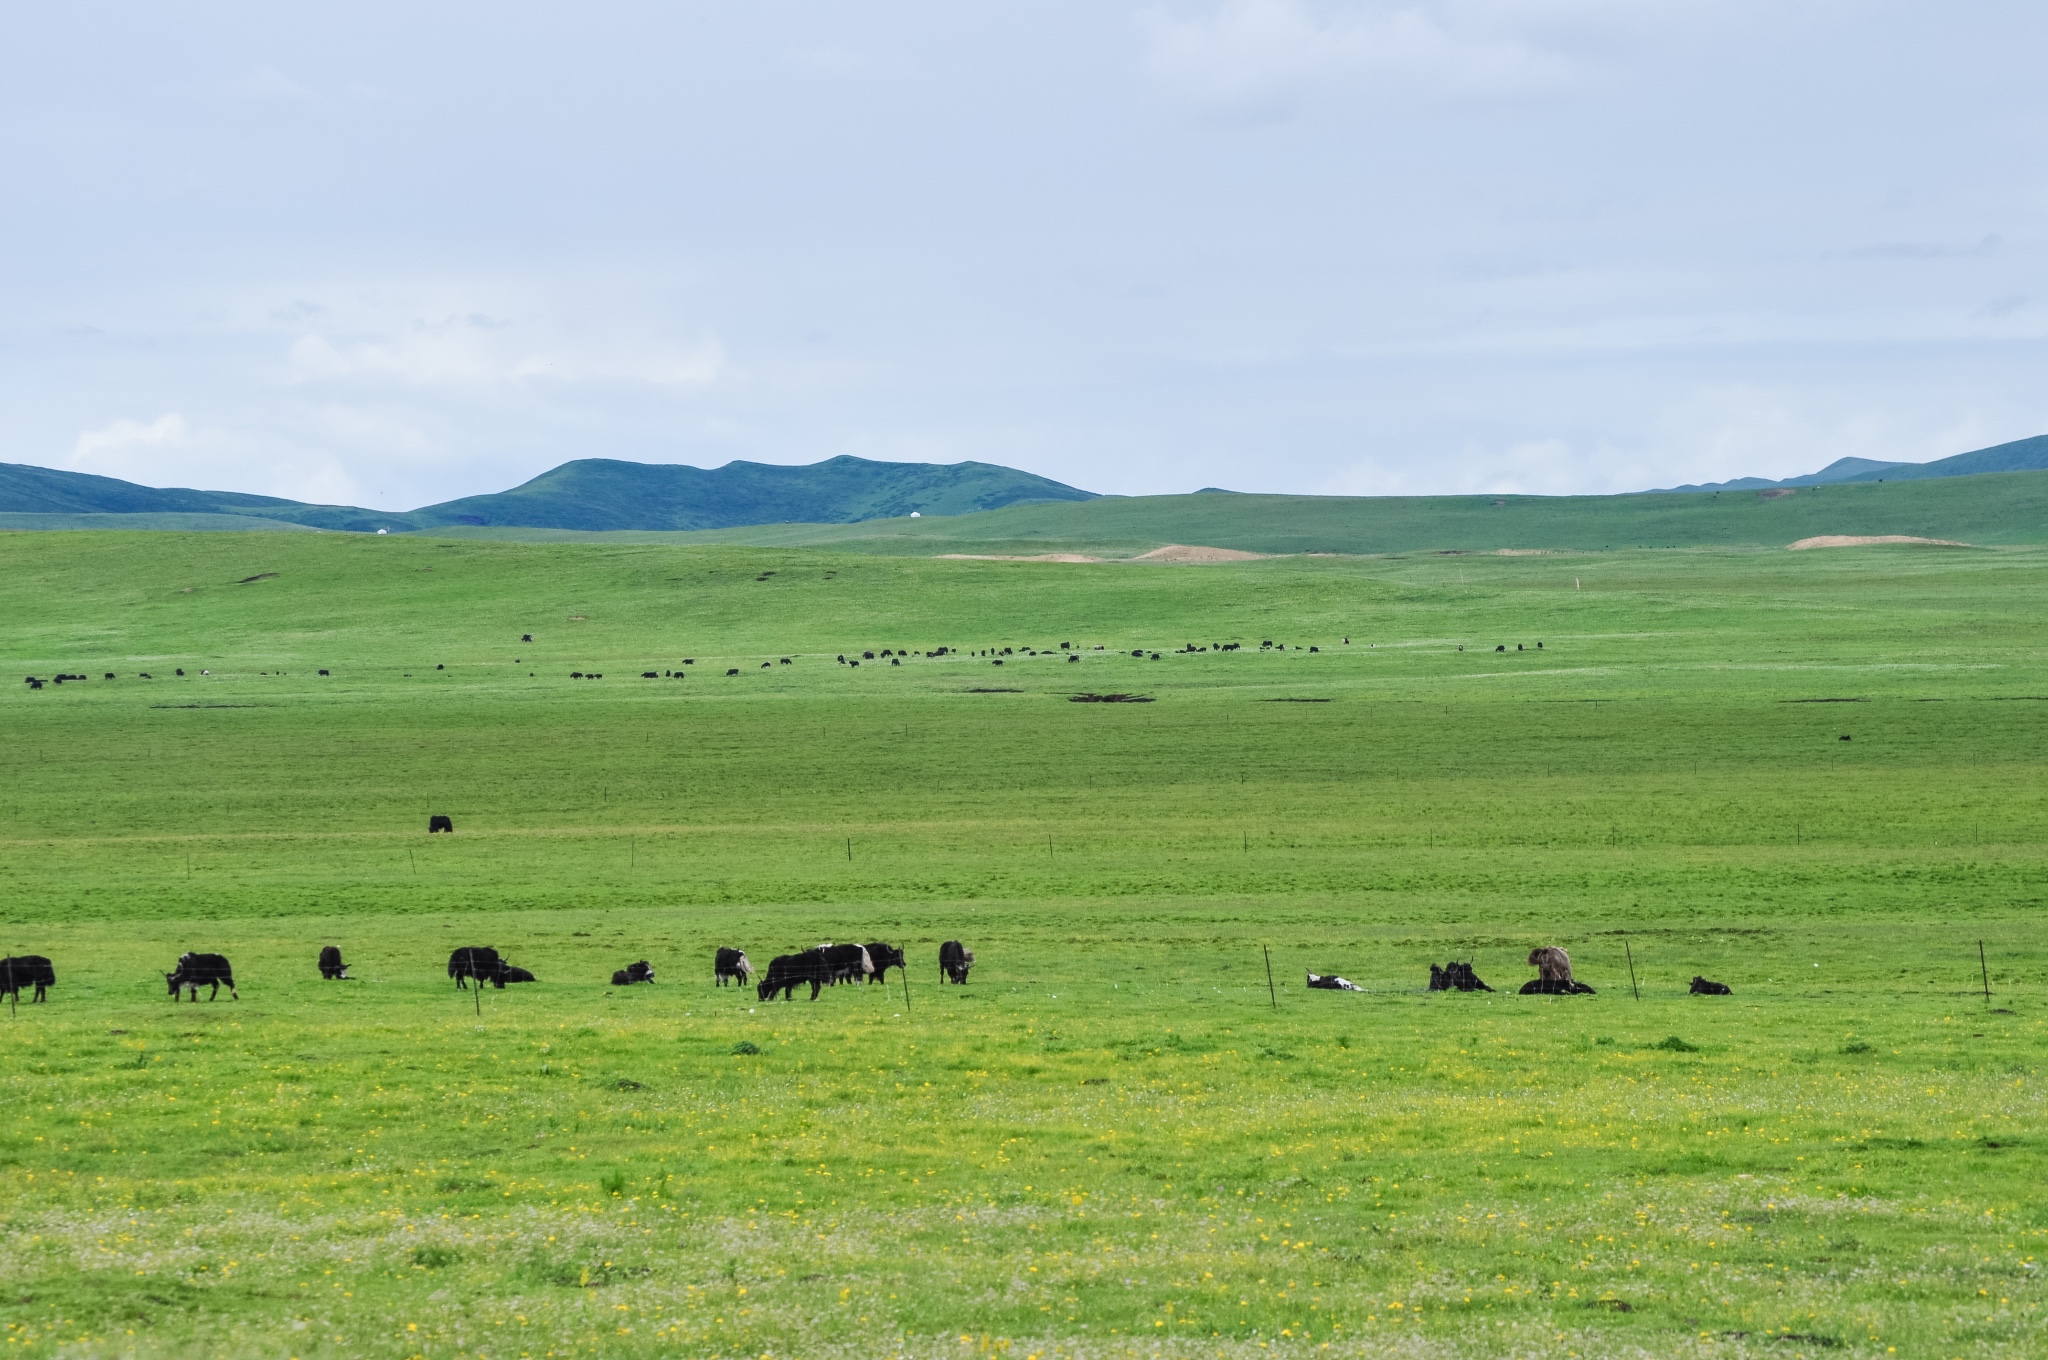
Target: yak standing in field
{"x":331,"y":966}
{"x":439,"y":823}
{"x":884,"y":957}
{"x":1553,"y":974}
{"x":473,"y":963}
{"x":24,"y":971}
{"x":787,"y":972}
{"x":196,"y":970}
{"x":731,"y":965}
{"x":955,"y":959}
{"x":845,"y":963}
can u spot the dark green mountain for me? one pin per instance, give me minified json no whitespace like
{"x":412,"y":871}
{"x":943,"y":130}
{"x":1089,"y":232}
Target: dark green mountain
{"x":601,"y":493}
{"x":2021,"y":455}
{"x":590,"y":493}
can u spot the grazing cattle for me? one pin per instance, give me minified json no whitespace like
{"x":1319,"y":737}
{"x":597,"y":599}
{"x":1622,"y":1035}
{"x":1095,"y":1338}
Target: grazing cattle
{"x":505,"y":973}
{"x":787,"y":972}
{"x":1332,"y":984}
{"x":26,"y":970}
{"x":438,"y":823}
{"x":1702,"y":987}
{"x":642,"y":971}
{"x":1455,"y":977}
{"x":846,"y":962}
{"x":331,"y":966}
{"x":473,"y":963}
{"x":954,"y":961}
{"x":884,"y":957}
{"x":196,"y":970}
{"x":731,"y":965}
{"x":1553,"y":974}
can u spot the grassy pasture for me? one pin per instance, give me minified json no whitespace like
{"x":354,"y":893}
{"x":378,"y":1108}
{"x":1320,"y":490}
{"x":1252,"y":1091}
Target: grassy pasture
{"x":1112,"y":1141}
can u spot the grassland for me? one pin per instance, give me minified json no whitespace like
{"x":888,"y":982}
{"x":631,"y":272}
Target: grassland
{"x":1113,"y":1141}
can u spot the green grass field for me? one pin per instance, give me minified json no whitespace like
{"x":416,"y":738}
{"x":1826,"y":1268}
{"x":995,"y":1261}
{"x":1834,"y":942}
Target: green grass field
{"x":1114,"y":1140}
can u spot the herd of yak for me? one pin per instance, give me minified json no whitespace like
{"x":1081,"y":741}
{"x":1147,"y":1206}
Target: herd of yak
{"x":825,"y":966}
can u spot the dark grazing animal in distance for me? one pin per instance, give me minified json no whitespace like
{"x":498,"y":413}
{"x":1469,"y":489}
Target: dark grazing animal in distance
{"x":25,"y":971}
{"x":440,"y":823}
{"x":955,"y":959}
{"x":1455,"y":977}
{"x":196,"y":970}
{"x":473,"y":963}
{"x":731,"y":965}
{"x":331,"y":966}
{"x":1702,"y":987}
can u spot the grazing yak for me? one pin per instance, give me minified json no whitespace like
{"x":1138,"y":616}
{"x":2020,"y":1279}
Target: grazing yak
{"x":787,"y":972}
{"x":954,"y":961}
{"x":439,"y":823}
{"x":884,"y":957}
{"x":642,"y":971}
{"x":196,"y":970}
{"x":1702,"y":987}
{"x":731,"y":965}
{"x":1553,"y":974}
{"x":1455,"y":977}
{"x":331,"y":966}
{"x":1332,"y":983}
{"x":473,"y":963}
{"x":25,"y":971}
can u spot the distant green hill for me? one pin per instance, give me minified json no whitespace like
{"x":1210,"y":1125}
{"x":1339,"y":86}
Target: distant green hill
{"x":2021,"y":455}
{"x":600,"y":493}
{"x":1992,"y":508}
{"x":590,"y":494}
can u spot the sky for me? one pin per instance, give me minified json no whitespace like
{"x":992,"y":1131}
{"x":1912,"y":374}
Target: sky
{"x":390,"y":254}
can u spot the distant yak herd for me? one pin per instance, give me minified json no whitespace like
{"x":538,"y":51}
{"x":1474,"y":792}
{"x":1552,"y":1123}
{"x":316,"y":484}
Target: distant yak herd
{"x":823,"y":966}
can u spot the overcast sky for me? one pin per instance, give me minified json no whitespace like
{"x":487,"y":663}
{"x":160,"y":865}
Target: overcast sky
{"x":387,"y":254}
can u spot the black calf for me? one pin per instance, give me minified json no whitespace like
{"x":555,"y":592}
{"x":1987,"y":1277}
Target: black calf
{"x":331,"y":966}
{"x":954,"y":961}
{"x":1702,"y":987}
{"x":1455,"y":977}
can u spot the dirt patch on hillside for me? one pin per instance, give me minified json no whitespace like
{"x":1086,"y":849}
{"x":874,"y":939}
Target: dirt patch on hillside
{"x":1191,"y":552}
{"x":1012,"y":557}
{"x":1865,"y":540}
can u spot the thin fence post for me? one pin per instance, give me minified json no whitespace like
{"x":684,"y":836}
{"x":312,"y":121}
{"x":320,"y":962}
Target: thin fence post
{"x":905,"y":970}
{"x":1985,"y":969}
{"x":1270,"y":991}
{"x":1632,"y":970}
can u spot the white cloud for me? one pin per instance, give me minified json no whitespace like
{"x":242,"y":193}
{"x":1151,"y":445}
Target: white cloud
{"x":473,"y":350}
{"x":1248,"y":54}
{"x":127,"y":447}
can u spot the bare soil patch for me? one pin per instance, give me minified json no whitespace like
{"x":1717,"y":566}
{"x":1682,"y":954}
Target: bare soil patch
{"x":1193,"y":552}
{"x":1866,"y":540}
